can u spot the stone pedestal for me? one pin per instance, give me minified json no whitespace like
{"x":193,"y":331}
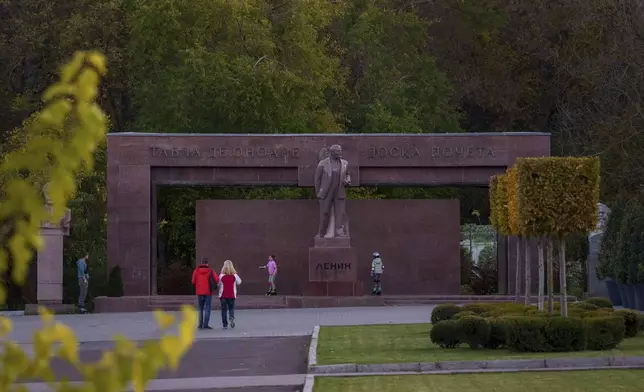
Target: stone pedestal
{"x":50,"y":267}
{"x":596,"y":287}
{"x":333,"y":268}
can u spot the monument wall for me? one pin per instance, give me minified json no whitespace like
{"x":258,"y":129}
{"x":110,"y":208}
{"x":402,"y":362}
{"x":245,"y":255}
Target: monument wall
{"x":418,"y":240}
{"x":138,"y":163}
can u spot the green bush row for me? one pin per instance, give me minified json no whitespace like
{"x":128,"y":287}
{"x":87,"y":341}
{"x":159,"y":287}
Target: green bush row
{"x":531,"y":334}
{"x":591,"y":325}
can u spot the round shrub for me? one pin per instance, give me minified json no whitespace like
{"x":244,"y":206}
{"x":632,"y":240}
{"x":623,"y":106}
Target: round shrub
{"x":475,"y":331}
{"x":478,"y":308}
{"x":584,"y":306}
{"x":445,"y":334}
{"x":444,"y":312}
{"x":525,"y":334}
{"x":600,"y":302}
{"x":459,"y":315}
{"x":601,"y":312}
{"x":604,"y":333}
{"x":564,"y":334}
{"x":506,"y":309}
{"x":630,"y":322}
{"x":497,"y":333}
{"x":576,"y":312}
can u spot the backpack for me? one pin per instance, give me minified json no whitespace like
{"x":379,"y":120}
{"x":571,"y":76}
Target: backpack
{"x":211,"y":281}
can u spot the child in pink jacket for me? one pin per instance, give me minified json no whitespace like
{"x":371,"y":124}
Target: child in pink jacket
{"x":271,"y":266}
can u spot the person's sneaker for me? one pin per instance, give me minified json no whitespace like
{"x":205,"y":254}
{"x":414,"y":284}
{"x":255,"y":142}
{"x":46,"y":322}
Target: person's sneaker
{"x":200,"y":327}
{"x":379,"y":293}
{"x":232,"y":322}
{"x":82,"y":310}
{"x":207,"y":327}
{"x":268,"y":292}
{"x":225,"y":327}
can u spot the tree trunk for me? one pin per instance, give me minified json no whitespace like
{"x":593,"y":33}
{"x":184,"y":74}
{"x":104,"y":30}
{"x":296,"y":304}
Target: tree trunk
{"x":541,"y":273}
{"x":562,"y":277}
{"x":551,"y":274}
{"x":528,"y":276}
{"x":517,"y":274}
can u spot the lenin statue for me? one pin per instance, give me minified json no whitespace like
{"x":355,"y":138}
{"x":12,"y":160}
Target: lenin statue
{"x":331,"y":177}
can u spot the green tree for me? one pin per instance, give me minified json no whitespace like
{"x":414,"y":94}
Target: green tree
{"x":394,"y":83}
{"x":222,"y":66}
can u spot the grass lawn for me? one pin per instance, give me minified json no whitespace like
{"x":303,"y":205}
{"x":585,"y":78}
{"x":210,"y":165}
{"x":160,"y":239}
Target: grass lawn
{"x":410,"y":343}
{"x":598,"y":380}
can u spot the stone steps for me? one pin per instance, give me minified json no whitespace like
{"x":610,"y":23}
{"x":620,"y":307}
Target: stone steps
{"x":144,"y":303}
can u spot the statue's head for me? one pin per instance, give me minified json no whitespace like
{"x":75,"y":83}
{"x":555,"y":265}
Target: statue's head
{"x":603,"y":212}
{"x":335,"y":151}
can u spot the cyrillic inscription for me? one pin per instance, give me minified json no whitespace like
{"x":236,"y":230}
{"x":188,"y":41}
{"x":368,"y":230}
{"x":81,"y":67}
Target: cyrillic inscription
{"x":226,"y":152}
{"x":409,"y":152}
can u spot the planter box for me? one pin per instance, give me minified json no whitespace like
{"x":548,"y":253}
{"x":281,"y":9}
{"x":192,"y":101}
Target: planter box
{"x":639,"y":296}
{"x":623,"y":295}
{"x":613,"y":292}
{"x":630,"y":295}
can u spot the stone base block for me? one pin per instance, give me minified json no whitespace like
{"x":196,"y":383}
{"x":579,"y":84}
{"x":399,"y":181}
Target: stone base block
{"x":333,"y":289}
{"x":56,"y":308}
{"x":333,"y":264}
{"x":49,"y":292}
{"x":333,"y":242}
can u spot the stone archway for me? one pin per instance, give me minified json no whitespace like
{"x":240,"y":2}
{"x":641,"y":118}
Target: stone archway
{"x":139,"y":162}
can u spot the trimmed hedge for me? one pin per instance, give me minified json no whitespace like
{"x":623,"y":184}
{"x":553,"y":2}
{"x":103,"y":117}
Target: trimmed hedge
{"x":474,"y":330}
{"x":499,"y":204}
{"x":600,"y":302}
{"x":584,"y":306}
{"x":460,"y":315}
{"x":525,"y":334}
{"x":604,"y":333}
{"x":631,"y":322}
{"x":513,"y":207}
{"x":478,"y":308}
{"x":446,"y":334}
{"x":525,"y":329}
{"x":556,"y":195}
{"x":444,"y":312}
{"x":565,"y":334}
{"x":497,"y":333}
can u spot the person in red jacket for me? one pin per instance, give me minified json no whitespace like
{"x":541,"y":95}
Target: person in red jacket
{"x":228,"y":292}
{"x":205,"y":281}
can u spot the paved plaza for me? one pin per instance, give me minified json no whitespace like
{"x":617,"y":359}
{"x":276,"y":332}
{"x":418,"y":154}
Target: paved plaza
{"x":266,"y":352}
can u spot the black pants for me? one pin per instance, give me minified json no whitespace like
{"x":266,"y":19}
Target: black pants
{"x":227,"y":308}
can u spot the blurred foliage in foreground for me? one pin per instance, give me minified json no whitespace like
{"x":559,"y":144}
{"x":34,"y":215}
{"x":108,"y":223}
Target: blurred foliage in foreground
{"x":60,"y":141}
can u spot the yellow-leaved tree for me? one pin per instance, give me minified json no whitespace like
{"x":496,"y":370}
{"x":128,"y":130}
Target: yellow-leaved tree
{"x":60,"y":141}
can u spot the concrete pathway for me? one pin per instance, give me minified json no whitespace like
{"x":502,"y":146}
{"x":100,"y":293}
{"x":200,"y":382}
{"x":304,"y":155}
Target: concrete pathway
{"x":250,"y":323}
{"x":266,"y":352}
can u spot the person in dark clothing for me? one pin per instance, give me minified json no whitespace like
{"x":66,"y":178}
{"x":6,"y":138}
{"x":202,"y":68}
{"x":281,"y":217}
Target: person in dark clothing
{"x":205,"y":281}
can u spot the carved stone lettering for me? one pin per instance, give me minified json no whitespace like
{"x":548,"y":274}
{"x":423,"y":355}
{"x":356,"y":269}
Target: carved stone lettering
{"x":398,"y":152}
{"x":226,"y":152}
{"x":338,"y":266}
{"x":175,"y":152}
{"x":410,"y":152}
